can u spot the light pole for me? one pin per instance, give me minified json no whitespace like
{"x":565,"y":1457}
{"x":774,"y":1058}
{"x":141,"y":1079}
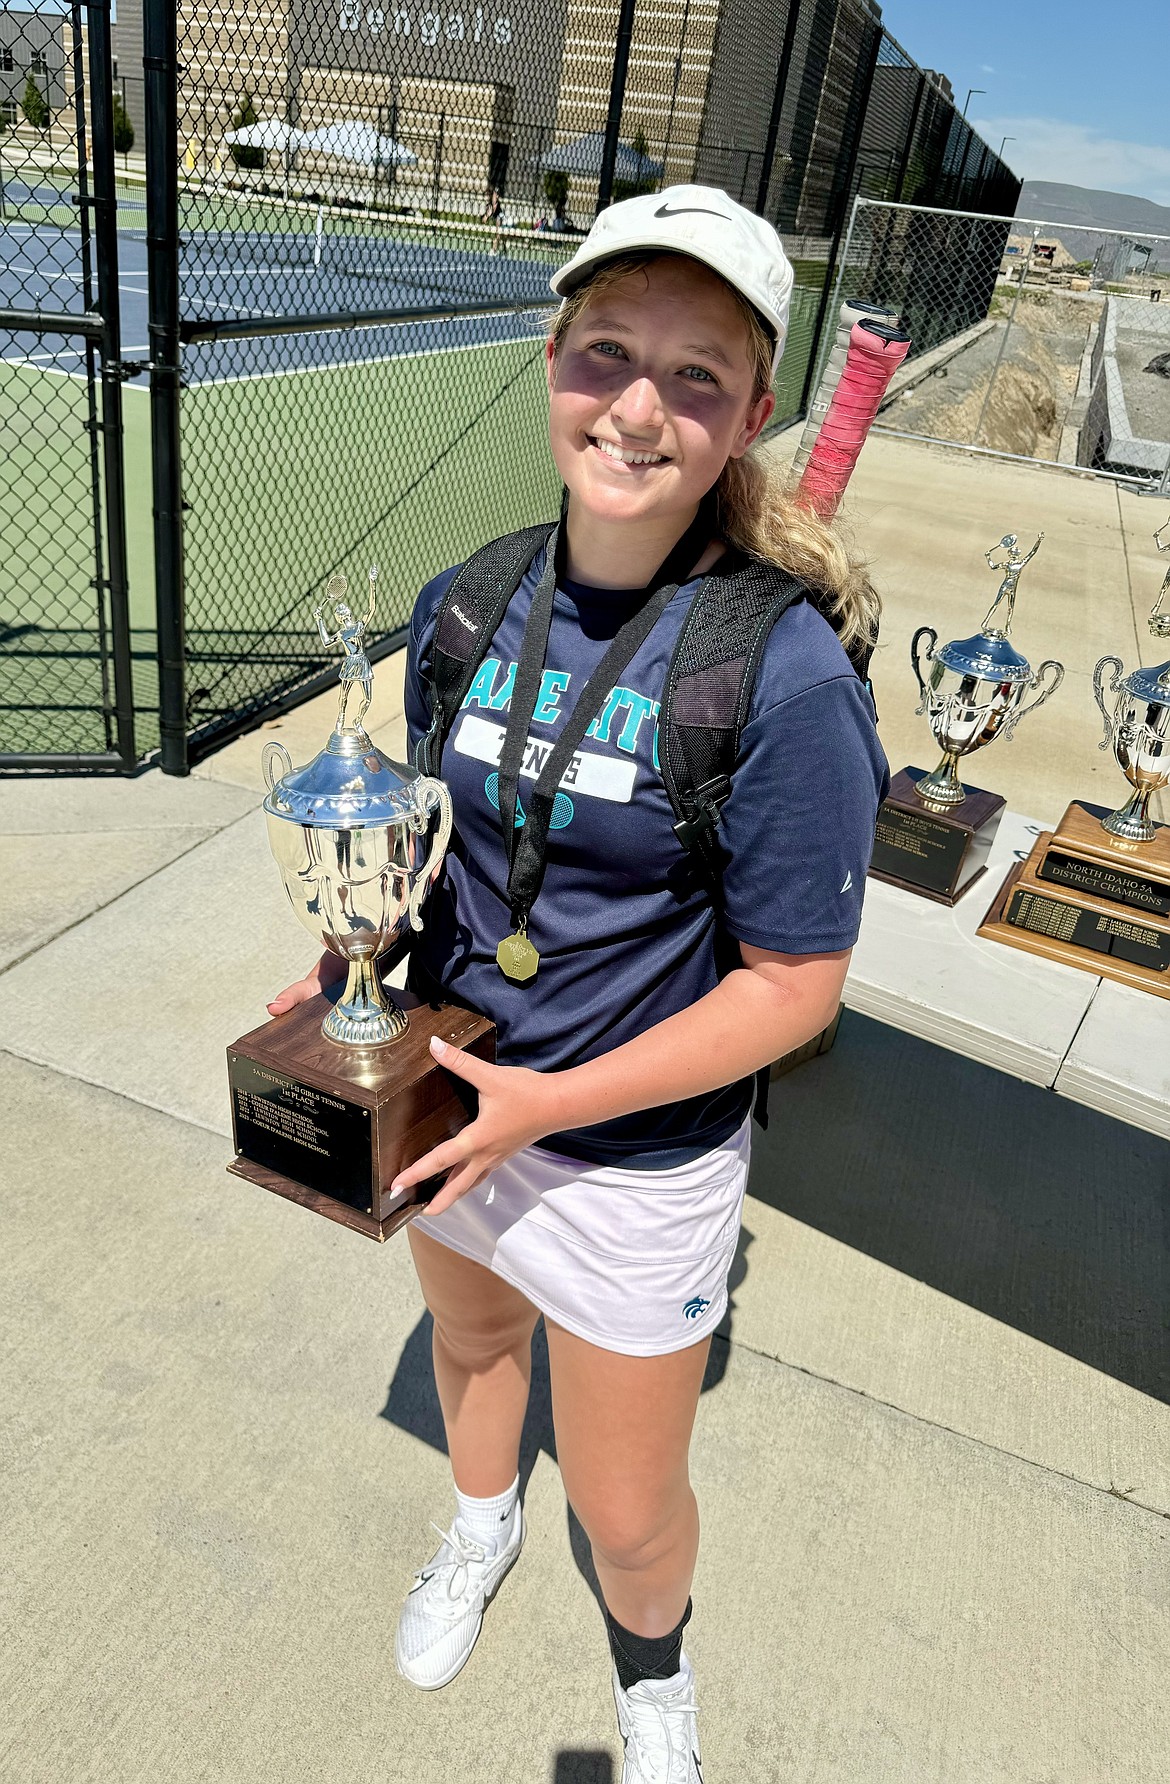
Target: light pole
{"x":967,"y":101}
{"x":1006,"y":139}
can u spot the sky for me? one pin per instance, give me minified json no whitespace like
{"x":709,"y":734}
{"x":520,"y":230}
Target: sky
{"x":1082,"y":88}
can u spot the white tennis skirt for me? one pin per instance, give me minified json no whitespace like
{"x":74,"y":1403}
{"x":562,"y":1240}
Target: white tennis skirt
{"x":632,"y":1261}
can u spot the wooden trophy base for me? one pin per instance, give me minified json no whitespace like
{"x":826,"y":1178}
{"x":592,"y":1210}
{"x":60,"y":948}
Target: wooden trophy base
{"x":1090,"y":901}
{"x":330,"y":1126}
{"x":937,"y":853}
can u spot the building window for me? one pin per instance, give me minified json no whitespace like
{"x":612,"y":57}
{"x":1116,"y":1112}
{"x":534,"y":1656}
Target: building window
{"x":8,"y":111}
{"x":5,"y":58}
{"x":38,"y":62}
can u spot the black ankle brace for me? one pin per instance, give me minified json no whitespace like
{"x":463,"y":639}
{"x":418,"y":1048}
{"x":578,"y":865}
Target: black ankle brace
{"x":645,"y":1656}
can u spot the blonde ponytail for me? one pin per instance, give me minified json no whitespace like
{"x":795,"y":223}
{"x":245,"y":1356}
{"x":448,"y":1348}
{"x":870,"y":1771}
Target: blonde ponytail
{"x":759,"y":509}
{"x":761,"y":513}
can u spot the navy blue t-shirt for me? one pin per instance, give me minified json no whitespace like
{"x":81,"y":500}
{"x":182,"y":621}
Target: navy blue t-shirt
{"x":624,"y":924}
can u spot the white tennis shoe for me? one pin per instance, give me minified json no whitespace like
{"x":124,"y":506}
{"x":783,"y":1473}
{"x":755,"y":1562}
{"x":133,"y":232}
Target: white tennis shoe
{"x":443,"y":1612}
{"x":658,"y":1723}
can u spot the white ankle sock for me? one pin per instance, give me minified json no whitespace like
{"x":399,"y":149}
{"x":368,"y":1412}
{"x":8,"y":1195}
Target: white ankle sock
{"x":489,"y":1520}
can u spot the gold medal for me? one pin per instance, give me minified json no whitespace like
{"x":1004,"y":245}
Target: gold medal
{"x":516,"y":958}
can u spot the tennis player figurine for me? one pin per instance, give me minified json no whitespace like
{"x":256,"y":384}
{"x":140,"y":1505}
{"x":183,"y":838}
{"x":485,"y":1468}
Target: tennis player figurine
{"x":1011,"y":566}
{"x":680,"y":843}
{"x":350,"y":634}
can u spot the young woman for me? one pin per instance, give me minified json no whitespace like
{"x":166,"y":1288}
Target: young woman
{"x":602,"y":1179}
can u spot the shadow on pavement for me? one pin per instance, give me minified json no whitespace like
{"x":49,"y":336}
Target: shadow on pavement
{"x":582,"y":1767}
{"x":1047,"y":1216}
{"x":412,"y":1404}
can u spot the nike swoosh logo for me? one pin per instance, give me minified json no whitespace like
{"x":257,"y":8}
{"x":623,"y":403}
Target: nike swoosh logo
{"x":684,"y":209}
{"x":848,"y":881}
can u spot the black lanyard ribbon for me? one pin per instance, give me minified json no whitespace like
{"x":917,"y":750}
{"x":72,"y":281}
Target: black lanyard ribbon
{"x":526,"y":845}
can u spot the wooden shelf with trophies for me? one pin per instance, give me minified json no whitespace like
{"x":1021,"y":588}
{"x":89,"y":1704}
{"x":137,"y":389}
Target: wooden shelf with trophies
{"x":934,"y":833}
{"x":331,"y":1100}
{"x":1095,"y":893}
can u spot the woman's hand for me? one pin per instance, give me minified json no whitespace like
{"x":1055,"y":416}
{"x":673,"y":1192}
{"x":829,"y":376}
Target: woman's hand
{"x":326,"y":972}
{"x":516,"y":1108}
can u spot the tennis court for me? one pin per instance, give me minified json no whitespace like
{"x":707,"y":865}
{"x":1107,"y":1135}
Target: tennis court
{"x":303,"y":454}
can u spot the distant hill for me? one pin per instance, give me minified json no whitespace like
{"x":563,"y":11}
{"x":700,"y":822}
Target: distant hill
{"x":1051,"y":202}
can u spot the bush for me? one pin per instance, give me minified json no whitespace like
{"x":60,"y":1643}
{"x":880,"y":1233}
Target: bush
{"x":634,"y":188}
{"x":123,"y":128}
{"x":556,"y":187}
{"x":34,"y":105}
{"x":247,"y":114}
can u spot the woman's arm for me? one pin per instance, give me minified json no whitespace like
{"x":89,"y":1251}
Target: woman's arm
{"x":759,"y":1012}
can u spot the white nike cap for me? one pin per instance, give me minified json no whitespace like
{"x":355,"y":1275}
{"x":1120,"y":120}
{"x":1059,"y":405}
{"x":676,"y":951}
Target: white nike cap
{"x":705,"y":223}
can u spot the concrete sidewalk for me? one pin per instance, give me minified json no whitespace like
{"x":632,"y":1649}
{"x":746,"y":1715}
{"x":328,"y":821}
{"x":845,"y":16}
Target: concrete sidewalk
{"x":933,"y":1453}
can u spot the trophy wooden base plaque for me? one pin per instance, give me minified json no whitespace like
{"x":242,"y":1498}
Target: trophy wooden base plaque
{"x":331,"y":1126}
{"x":937,"y":851}
{"x":1091,"y":900}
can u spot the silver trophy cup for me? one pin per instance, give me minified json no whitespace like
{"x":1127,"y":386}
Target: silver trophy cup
{"x":1138,"y":727}
{"x":974,"y":688}
{"x":351,"y":835}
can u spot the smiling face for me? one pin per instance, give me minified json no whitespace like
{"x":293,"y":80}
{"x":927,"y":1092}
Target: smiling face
{"x":653,"y":387}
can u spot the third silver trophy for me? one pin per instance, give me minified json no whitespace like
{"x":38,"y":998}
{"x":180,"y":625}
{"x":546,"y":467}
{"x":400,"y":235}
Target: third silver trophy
{"x":1138,"y":727}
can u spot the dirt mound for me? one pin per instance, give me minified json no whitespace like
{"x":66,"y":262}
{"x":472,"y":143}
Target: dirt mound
{"x":1033,"y":384}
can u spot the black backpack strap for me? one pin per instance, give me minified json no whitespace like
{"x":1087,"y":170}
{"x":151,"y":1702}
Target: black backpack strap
{"x":705,"y":707}
{"x":468,"y":616}
{"x":708,"y":694}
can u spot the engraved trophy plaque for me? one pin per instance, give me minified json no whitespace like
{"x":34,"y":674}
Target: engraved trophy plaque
{"x":331,"y":1100}
{"x":934,"y":833}
{"x":1096,"y":891}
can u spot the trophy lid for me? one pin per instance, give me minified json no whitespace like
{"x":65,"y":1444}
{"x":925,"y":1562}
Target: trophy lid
{"x":350,"y":785}
{"x":988,"y":656}
{"x":1149,"y":685}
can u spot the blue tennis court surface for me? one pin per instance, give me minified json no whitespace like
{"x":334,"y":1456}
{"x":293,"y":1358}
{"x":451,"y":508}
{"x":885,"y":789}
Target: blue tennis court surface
{"x":319,"y":267}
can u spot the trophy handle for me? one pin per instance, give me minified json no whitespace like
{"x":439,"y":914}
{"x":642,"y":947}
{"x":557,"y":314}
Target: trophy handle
{"x":920,"y":634}
{"x":1045,"y":693}
{"x":431,"y":793}
{"x":1115,"y":665}
{"x":275,"y":752}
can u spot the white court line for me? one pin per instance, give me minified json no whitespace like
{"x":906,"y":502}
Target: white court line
{"x":350,"y":365}
{"x":328,"y":365}
{"x":33,"y":360}
{"x":18,"y":266}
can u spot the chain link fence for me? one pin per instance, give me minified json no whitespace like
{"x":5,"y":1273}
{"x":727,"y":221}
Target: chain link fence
{"x":1032,"y":340}
{"x":67,"y":657}
{"x":339,"y":307}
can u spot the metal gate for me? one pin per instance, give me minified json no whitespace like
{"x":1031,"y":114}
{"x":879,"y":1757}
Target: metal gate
{"x":66,"y":698}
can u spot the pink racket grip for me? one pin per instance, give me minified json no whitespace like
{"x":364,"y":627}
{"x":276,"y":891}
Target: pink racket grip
{"x":876,"y":350}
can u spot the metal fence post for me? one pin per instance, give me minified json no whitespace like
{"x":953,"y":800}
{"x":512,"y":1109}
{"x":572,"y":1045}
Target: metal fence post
{"x":862,"y":91}
{"x":1163,"y":488}
{"x":821,"y":350}
{"x":435,"y":195}
{"x":617,"y":94}
{"x":1004,"y":340}
{"x":160,"y":43}
{"x":911,"y":132}
{"x":105,"y":236}
{"x":778,"y":96}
